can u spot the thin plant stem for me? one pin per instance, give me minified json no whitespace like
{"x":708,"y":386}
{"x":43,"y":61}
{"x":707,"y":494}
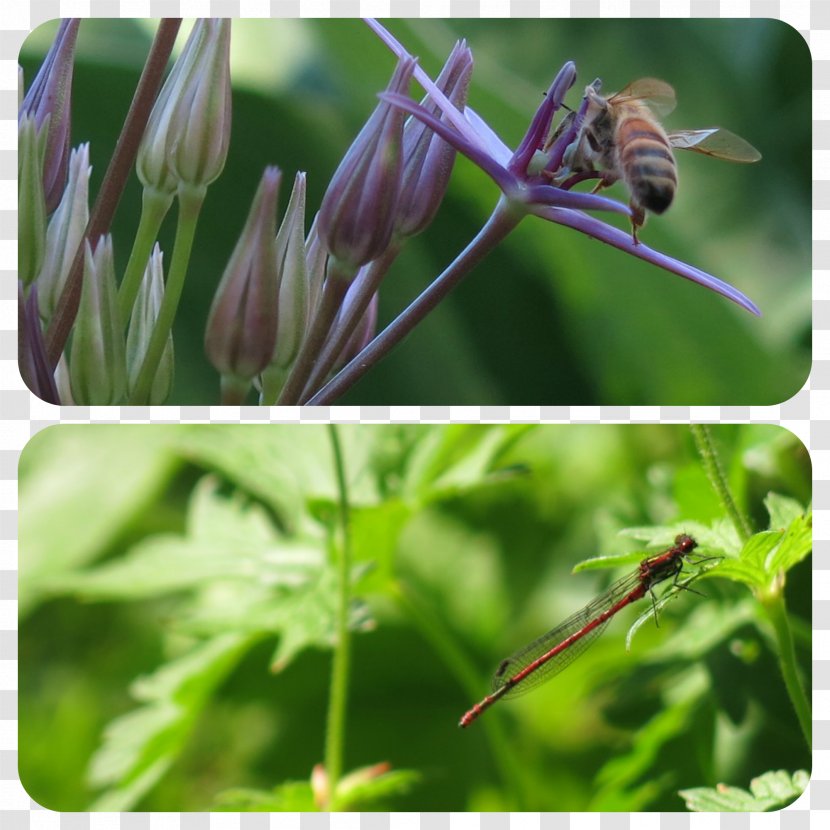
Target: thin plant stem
{"x":334,"y":290}
{"x":336,"y":721}
{"x":113,"y":183}
{"x":501,"y":222}
{"x":191,"y":198}
{"x":365,"y":287}
{"x":714,"y":471}
{"x":154,"y":207}
{"x":456,"y":660}
{"x":776,"y":611}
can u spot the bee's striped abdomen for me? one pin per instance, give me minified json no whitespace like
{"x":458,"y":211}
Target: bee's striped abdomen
{"x":647,"y":163}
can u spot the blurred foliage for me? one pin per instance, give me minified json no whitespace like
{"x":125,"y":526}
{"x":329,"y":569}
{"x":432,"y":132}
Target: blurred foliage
{"x":179,"y":659}
{"x":550,"y":317}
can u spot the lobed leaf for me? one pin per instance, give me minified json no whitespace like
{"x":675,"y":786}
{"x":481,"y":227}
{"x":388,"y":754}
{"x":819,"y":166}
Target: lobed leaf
{"x":770,"y":791}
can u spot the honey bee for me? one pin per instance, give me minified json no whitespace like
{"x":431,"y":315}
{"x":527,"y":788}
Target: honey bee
{"x":622,"y":138}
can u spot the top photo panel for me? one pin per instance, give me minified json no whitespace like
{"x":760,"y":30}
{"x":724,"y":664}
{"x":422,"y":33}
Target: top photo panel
{"x":415,"y":212}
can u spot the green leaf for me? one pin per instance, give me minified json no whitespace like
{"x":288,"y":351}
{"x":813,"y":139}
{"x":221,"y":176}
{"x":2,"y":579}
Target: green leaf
{"x":375,"y":535}
{"x":140,"y":746}
{"x":229,"y":540}
{"x":782,"y":511}
{"x":292,"y":797}
{"x":77,"y":495}
{"x":457,"y":457}
{"x":308,"y":618}
{"x":283,"y":469}
{"x":359,"y":791}
{"x":795,"y":546}
{"x":770,"y":791}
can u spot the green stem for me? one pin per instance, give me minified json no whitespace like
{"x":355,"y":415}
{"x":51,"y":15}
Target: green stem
{"x":714,"y":471}
{"x":154,"y":207}
{"x":191,"y":198}
{"x":776,"y":610}
{"x":336,"y":725}
{"x":469,"y":679}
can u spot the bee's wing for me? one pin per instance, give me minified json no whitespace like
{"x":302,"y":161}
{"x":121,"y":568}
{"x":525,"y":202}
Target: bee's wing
{"x":715,"y":142}
{"x":656,"y":94}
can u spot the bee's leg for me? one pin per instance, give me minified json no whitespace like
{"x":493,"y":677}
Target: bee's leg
{"x":638,"y":219}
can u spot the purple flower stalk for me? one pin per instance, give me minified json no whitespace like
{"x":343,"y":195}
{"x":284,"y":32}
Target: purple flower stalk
{"x":526,"y":180}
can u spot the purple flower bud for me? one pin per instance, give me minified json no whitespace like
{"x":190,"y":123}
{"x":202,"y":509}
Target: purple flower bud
{"x":142,"y":324}
{"x":188,"y":132}
{"x":31,"y":204}
{"x":428,"y":159}
{"x":65,"y":232}
{"x":358,"y":211}
{"x":97,"y":361}
{"x":242,"y":325}
{"x":51,"y":96}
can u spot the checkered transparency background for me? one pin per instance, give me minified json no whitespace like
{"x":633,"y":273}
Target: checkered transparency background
{"x":21,"y":415}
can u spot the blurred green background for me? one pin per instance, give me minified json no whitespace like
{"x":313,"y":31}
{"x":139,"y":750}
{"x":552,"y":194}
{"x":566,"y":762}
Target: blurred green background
{"x":550,"y":317}
{"x":140,"y":546}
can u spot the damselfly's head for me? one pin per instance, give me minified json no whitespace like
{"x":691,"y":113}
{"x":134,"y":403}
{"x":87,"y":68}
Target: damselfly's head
{"x":685,"y":543}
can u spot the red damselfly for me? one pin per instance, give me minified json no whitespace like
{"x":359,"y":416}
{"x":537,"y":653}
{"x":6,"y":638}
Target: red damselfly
{"x":552,"y":652}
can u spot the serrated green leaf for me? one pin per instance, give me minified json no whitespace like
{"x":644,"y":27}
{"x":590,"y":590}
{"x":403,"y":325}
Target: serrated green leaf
{"x":230,"y":540}
{"x":292,"y":797}
{"x":284,"y":468}
{"x":456,"y":457}
{"x":357,"y":792}
{"x":782,"y":510}
{"x":770,"y":791}
{"x":139,"y":747}
{"x":757,"y":549}
{"x":796,"y":545}
{"x":307,"y":618}
{"x":742,"y":572}
{"x":77,"y":495}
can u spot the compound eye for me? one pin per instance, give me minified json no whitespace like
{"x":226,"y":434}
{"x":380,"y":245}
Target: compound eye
{"x":593,"y":143}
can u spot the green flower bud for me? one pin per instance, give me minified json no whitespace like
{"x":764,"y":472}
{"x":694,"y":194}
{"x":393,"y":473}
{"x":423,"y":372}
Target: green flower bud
{"x":97,"y":360}
{"x":65,"y":232}
{"x":31,"y":203}
{"x":142,"y":323}
{"x":188,"y":132}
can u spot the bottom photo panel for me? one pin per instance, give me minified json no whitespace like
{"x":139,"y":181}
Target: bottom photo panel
{"x":415,"y":617}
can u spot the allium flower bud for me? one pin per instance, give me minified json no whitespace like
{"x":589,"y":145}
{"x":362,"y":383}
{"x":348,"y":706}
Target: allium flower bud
{"x":97,"y":362}
{"x":358,"y":211}
{"x":242,"y":325}
{"x":50,"y":96}
{"x":65,"y":231}
{"x":188,"y":132}
{"x":142,"y":323}
{"x":31,"y":204}
{"x":292,"y":307}
{"x":428,"y":159}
